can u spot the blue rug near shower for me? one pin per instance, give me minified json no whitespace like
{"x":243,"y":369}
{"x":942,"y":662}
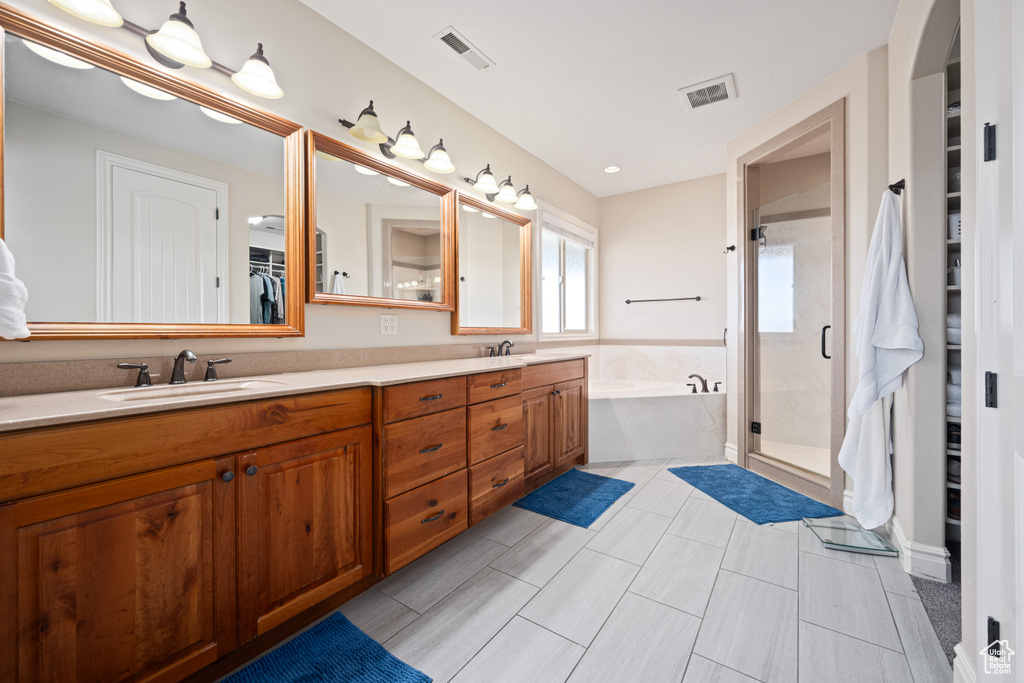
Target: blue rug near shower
{"x":575,"y":497}
{"x":333,"y":650}
{"x":760,"y":500}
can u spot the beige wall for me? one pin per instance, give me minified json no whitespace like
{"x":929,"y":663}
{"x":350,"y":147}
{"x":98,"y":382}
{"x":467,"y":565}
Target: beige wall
{"x":660,"y":243}
{"x":326,"y":74}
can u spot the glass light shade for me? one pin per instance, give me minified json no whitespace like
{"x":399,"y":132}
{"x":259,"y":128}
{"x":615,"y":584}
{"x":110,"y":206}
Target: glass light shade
{"x":485,"y":182}
{"x":507,"y":193}
{"x":469,"y":209}
{"x":526,"y":202}
{"x":487,"y":215}
{"x":439,"y":161}
{"x":612,"y":169}
{"x":96,"y":11}
{"x":367,"y":127}
{"x":365,"y":171}
{"x":217,"y":116}
{"x":257,"y":78}
{"x":406,"y":145}
{"x":147,"y":90}
{"x":397,"y":183}
{"x":56,"y":56}
{"x":436,"y":280}
{"x":177,"y":40}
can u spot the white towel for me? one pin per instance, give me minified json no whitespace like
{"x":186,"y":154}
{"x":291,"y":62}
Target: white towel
{"x":954,"y":392}
{"x":13,"y":297}
{"x":954,"y":335}
{"x":887,"y":344}
{"x":953,"y":374}
{"x":953,"y":320}
{"x":339,"y":284}
{"x":954,"y":409}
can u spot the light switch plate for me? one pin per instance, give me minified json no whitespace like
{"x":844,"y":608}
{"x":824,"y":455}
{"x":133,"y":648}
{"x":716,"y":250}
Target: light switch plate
{"x":388,"y":324}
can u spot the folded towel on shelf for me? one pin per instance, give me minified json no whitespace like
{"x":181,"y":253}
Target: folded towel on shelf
{"x":953,"y":468}
{"x":953,"y":374}
{"x":13,"y":297}
{"x":954,"y":409}
{"x":953,"y":335}
{"x":953,"y":320}
{"x":953,"y":393}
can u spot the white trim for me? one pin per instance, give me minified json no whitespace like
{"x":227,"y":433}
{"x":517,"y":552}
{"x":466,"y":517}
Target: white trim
{"x":105,"y":163}
{"x":963,"y":665}
{"x":569,"y":223}
{"x":731,"y":453}
{"x":848,"y":501}
{"x":927,"y":561}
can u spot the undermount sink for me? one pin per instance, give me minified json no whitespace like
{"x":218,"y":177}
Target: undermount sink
{"x":225,"y":386}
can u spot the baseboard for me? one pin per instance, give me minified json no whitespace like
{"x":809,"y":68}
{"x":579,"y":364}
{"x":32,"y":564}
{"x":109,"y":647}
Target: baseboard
{"x":919,"y":559}
{"x":963,"y":666}
{"x":848,"y":501}
{"x":731,"y":454}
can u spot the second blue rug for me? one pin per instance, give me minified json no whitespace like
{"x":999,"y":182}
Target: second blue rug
{"x":575,"y":497}
{"x":334,"y":650}
{"x":760,"y":500}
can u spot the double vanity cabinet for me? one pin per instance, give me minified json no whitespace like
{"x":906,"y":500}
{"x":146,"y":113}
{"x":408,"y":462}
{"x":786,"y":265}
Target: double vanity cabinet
{"x":149,"y":547}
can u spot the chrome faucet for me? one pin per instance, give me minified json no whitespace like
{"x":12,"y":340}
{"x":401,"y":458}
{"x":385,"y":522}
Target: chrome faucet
{"x":505,"y":348}
{"x":703,"y":383}
{"x":178,"y":373}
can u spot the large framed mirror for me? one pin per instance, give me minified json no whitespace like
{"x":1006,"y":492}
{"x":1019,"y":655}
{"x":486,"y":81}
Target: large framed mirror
{"x":376,"y":234}
{"x":139,"y":205}
{"x":494,"y":288}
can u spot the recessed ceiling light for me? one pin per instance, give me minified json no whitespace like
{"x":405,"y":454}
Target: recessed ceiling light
{"x":612,"y":169}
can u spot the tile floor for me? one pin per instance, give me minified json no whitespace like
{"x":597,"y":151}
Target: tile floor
{"x":668,"y":585}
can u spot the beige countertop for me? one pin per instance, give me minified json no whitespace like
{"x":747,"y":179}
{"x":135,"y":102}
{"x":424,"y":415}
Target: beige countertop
{"x":41,"y":410}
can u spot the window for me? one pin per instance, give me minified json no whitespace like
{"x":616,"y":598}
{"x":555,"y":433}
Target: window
{"x":567,"y":276}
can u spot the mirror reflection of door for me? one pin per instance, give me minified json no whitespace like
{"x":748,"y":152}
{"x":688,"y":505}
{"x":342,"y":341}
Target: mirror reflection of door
{"x":165,"y":240}
{"x":413,"y":259}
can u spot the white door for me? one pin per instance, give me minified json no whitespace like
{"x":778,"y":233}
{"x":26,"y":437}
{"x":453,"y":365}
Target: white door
{"x":164,"y":250}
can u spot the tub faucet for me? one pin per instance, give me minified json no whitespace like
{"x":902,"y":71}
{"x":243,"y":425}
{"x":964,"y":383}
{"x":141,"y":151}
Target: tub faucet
{"x":505,"y":348}
{"x":703,"y":383}
{"x":178,"y":373}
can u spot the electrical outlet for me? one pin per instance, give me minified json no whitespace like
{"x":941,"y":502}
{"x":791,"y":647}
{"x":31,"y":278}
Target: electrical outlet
{"x":388,"y":324}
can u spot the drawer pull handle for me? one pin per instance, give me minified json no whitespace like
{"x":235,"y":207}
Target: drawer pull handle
{"x":500,"y":483}
{"x":499,"y":427}
{"x":250,"y":470}
{"x":431,"y":449}
{"x":498,"y":386}
{"x":434,"y":518}
{"x":431,"y":398}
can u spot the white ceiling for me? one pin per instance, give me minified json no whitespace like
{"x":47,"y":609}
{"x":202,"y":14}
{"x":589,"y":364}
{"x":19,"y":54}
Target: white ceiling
{"x":587,"y":85}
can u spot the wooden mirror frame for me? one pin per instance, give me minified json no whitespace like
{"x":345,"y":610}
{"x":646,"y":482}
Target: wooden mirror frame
{"x":317,"y":142}
{"x":525,"y":272}
{"x":26,"y":26}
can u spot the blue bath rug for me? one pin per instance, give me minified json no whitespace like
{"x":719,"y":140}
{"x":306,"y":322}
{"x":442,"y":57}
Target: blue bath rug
{"x":760,"y":500}
{"x":334,"y":650}
{"x":575,"y":497}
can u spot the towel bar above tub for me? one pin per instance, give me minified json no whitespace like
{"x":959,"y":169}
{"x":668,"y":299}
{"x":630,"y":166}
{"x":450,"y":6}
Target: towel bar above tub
{"x":683,"y":298}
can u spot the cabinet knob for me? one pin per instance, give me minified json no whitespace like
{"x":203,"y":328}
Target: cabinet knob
{"x":227,"y":476}
{"x":250,"y":470}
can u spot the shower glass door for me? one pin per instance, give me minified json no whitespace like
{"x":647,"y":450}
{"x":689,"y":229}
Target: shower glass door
{"x":793,"y":397}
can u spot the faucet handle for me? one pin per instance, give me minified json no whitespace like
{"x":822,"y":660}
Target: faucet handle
{"x":693,"y":386}
{"x":491,"y":353}
{"x":716,"y":387}
{"x":211,"y":369}
{"x":143,"y":380}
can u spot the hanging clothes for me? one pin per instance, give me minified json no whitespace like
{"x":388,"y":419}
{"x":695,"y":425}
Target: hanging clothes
{"x":279,"y":300}
{"x":257,"y":287}
{"x":887,"y":344}
{"x":269,"y":301}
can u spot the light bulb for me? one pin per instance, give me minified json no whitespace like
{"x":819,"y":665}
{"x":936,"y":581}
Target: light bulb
{"x":217,"y":116}
{"x":177,"y":40}
{"x":96,"y":11}
{"x":148,"y":90}
{"x":257,"y":78}
{"x":367,"y":127}
{"x":56,"y":56}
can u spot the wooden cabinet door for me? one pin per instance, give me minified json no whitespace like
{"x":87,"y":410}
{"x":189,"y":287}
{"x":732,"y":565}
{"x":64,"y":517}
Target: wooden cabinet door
{"x":129,"y":579}
{"x":569,"y":431}
{"x":305,"y":525}
{"x":538,"y":406}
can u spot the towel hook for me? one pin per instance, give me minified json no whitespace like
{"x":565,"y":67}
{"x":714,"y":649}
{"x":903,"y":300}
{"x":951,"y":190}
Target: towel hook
{"x":898,"y":186}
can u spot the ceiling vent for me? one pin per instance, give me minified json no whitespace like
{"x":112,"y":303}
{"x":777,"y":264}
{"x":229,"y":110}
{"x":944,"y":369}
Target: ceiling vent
{"x":709,"y":92}
{"x":465,"y":49}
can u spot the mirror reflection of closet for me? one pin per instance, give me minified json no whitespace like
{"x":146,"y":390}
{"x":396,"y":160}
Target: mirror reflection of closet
{"x":128,"y":205}
{"x":389,"y":231}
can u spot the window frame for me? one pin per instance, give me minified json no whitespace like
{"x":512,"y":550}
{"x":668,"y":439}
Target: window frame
{"x":568,"y":223}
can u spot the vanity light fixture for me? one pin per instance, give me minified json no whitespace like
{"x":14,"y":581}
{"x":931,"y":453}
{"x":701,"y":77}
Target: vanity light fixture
{"x":217,"y":116}
{"x":397,"y":183}
{"x":405,"y":145}
{"x":95,"y":11}
{"x":367,"y":127}
{"x":56,"y":56}
{"x":438,"y":160}
{"x":506,"y":192}
{"x":257,"y":78}
{"x":484,"y":181}
{"x":255,"y":220}
{"x":178,"y":41}
{"x":525,"y":201}
{"x":364,"y":170}
{"x":148,"y":91}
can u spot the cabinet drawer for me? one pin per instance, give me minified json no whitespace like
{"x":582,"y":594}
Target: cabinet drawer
{"x":423,"y":449}
{"x":422,"y":398}
{"x":494,"y":484}
{"x":424,"y":518}
{"x":495,"y":427}
{"x":552,"y":373}
{"x":492,"y":385}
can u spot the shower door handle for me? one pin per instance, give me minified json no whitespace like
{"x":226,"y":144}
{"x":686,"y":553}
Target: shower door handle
{"x":823,"y":354}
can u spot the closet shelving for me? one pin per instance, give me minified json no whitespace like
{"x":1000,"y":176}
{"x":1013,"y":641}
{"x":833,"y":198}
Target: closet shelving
{"x":953,"y":289}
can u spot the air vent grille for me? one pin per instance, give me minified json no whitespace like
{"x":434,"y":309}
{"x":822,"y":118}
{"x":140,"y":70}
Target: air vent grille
{"x":458,"y":43}
{"x":710,"y":91}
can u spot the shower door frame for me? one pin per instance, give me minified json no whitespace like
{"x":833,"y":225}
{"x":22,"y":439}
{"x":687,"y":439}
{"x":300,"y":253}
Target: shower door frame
{"x":827,"y":490}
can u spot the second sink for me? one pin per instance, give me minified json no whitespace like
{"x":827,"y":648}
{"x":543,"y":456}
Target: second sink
{"x":195,"y":389}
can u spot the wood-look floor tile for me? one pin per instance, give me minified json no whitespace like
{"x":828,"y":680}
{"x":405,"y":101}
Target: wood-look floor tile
{"x":631,"y":535}
{"x":927,"y":660}
{"x":703,"y":521}
{"x":751,"y":626}
{"x":576,"y":602}
{"x":523,"y":651}
{"x":661,"y":497}
{"x":702,"y":670}
{"x":829,"y":656}
{"x":680,"y":573}
{"x":444,"y":639}
{"x":543,"y":552}
{"x":378,"y":615}
{"x":642,"y":640}
{"x":509,"y":525}
{"x":764,"y":553}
